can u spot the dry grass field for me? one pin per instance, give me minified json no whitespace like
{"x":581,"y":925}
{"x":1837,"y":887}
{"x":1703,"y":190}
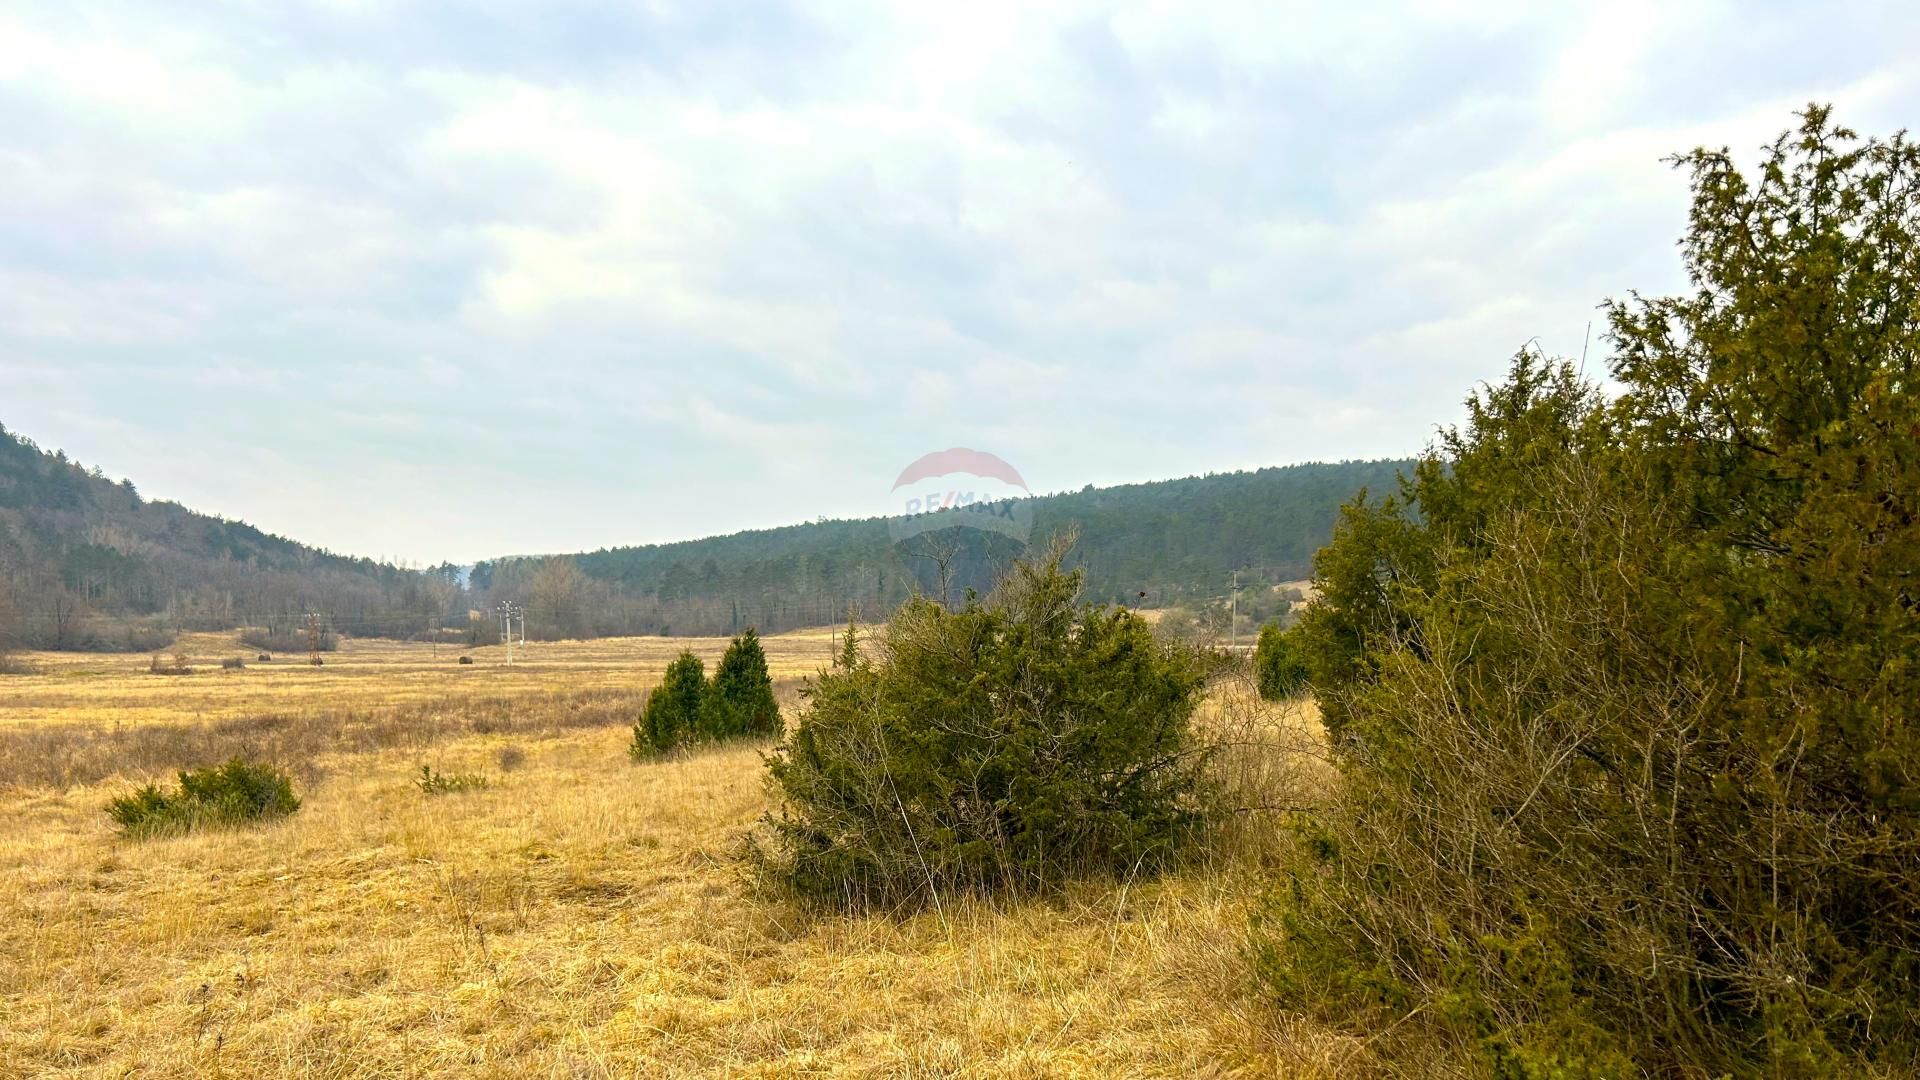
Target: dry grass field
{"x":579,"y":917}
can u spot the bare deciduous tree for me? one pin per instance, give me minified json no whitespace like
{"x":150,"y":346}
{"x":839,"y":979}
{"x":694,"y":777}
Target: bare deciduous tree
{"x":558,"y":607}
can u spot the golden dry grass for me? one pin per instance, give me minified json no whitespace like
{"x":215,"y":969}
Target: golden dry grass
{"x":581,"y":916}
{"x":116,"y":688}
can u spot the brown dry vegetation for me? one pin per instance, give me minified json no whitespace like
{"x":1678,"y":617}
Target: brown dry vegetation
{"x":581,"y":916}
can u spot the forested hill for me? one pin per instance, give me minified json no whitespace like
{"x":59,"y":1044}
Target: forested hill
{"x":1177,"y":541}
{"x":86,"y":562}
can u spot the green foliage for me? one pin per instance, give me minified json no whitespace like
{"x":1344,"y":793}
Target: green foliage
{"x":686,"y":707}
{"x":741,"y":701}
{"x":1622,"y":691}
{"x":848,"y":656}
{"x":432,"y":781}
{"x":1279,"y":663}
{"x":1376,"y":556}
{"x":673,"y":712}
{"x":1010,"y":743}
{"x":232,"y":794}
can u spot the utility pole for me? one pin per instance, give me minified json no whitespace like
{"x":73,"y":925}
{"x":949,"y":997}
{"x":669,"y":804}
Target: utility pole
{"x":1233,"y":614}
{"x":506,"y":628}
{"x":315,"y":637}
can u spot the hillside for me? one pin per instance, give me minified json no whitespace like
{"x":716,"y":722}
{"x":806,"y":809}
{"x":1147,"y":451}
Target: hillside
{"x":87,"y":563}
{"x":1175,"y":541}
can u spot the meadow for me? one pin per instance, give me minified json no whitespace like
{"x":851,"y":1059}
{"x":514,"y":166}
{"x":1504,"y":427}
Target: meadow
{"x":580,"y":915}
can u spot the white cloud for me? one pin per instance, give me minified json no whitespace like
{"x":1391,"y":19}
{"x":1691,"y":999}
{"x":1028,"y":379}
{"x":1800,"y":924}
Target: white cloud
{"x":1123,"y":241}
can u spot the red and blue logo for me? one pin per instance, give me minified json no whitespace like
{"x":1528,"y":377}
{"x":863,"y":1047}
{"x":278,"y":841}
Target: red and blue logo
{"x":961,"y":489}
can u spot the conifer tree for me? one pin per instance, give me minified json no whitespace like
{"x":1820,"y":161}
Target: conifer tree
{"x":1011,"y":742}
{"x":1621,"y":687}
{"x":741,"y":700}
{"x":1279,"y":669}
{"x":848,"y":657}
{"x":673,"y":711}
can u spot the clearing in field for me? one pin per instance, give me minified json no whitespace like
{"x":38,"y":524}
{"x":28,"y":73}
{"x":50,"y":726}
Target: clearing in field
{"x":576,"y":916}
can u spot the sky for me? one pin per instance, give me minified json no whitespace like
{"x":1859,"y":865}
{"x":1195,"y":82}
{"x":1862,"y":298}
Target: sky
{"x":454,"y":280}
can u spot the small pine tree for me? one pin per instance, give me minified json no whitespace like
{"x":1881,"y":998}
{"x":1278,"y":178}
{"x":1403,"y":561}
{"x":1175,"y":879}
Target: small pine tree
{"x":741,"y":700}
{"x":1279,"y":666}
{"x":672,"y":714}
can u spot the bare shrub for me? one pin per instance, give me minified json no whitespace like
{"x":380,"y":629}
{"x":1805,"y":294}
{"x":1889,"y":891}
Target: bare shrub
{"x":178,"y":665}
{"x":292,"y":639}
{"x":1267,"y":764}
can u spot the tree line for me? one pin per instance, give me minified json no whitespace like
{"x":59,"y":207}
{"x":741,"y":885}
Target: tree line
{"x":1162,"y":544}
{"x":86,"y":563}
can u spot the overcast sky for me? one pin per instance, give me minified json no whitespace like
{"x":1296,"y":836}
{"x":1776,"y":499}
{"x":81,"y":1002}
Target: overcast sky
{"x":444,"y":281}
